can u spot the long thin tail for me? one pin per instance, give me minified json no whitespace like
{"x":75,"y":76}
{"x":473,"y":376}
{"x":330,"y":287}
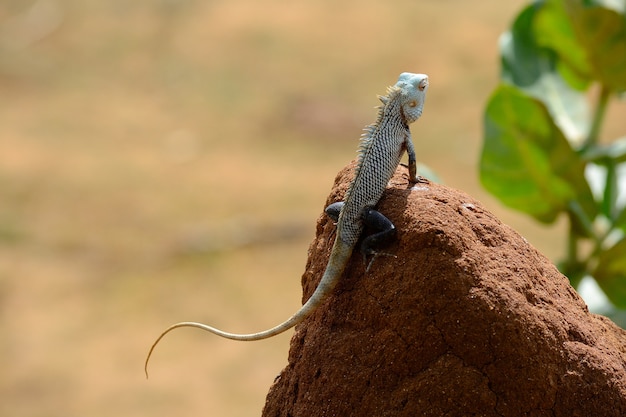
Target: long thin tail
{"x":336,"y":265}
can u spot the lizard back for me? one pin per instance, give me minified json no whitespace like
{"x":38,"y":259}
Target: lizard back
{"x":381,"y":149}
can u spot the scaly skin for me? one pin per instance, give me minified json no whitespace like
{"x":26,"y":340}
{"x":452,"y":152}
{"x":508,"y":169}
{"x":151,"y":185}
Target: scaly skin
{"x":382,"y":146}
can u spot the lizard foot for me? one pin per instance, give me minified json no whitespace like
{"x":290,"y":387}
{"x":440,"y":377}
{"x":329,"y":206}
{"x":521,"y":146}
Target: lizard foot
{"x":333,"y":210}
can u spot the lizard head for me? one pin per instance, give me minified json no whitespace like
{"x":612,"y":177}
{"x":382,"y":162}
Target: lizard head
{"x":412,"y":95}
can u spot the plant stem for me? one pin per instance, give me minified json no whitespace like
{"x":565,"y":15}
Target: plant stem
{"x":609,"y":202}
{"x":598,"y":118}
{"x":572,"y":246}
{"x":572,"y":264}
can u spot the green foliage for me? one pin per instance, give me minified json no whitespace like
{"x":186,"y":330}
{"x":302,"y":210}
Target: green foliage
{"x":541,"y":153}
{"x":527,"y":162}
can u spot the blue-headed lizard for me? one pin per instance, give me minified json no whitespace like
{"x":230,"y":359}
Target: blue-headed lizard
{"x":382,"y":146}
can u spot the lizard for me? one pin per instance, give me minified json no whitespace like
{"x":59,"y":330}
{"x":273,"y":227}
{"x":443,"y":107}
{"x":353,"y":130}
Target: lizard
{"x":381,"y":148}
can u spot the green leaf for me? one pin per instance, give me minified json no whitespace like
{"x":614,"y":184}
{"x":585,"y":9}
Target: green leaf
{"x":611,"y":273}
{"x":589,"y":38}
{"x":535,"y":69}
{"x":523,"y":60}
{"x":553,"y":29}
{"x":569,"y":108}
{"x":602,"y":33}
{"x":526,"y":161}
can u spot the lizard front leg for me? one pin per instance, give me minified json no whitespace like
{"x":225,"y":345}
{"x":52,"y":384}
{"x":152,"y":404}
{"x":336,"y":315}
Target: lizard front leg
{"x":410,"y":150}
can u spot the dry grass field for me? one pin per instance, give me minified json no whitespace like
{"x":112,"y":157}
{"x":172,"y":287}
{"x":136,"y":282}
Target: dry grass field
{"x":166,"y":160}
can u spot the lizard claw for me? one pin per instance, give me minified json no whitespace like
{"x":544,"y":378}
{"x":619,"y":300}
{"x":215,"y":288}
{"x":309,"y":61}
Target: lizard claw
{"x":374,"y":256}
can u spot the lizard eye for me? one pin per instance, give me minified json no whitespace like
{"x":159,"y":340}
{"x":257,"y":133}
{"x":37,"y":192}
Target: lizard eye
{"x":423,"y":84}
{"x":413,"y":103}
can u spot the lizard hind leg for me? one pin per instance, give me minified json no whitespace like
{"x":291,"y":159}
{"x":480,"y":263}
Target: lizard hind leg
{"x":384,"y":234}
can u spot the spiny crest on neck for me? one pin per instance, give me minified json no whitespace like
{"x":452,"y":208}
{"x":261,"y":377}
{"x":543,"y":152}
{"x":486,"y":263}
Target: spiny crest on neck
{"x":370,"y":130}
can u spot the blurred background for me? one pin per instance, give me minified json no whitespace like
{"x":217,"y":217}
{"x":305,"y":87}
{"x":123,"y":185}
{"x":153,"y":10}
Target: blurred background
{"x":167,"y":160}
